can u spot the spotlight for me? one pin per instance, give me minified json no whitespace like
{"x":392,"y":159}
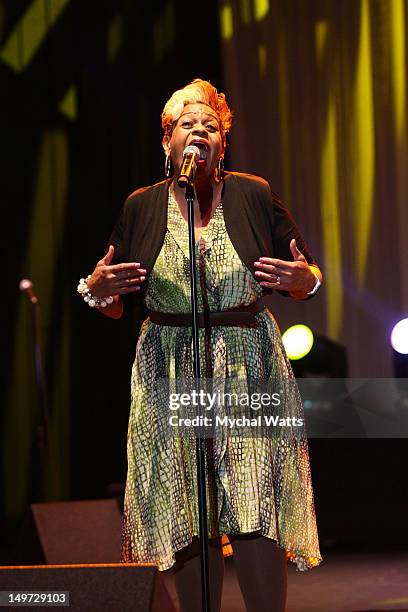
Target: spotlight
{"x":399,"y":337}
{"x":298,"y":341}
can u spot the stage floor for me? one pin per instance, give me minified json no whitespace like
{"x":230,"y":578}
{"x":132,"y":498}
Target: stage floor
{"x":342,"y":583}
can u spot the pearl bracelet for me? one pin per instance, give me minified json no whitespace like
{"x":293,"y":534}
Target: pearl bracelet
{"x":90,"y":299}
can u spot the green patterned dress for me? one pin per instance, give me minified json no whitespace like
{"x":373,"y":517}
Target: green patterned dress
{"x":254,"y":484}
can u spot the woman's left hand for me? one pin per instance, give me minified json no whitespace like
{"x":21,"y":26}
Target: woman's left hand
{"x":293,"y":276}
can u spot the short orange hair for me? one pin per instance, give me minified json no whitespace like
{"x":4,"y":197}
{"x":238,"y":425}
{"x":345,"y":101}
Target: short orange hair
{"x":198,"y":91}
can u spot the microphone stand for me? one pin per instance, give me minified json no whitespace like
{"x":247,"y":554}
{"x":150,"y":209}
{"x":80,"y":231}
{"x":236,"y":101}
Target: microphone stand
{"x":200,"y":441}
{"x":43,"y":428}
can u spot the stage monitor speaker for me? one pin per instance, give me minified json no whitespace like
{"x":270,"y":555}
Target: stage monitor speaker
{"x":93,"y":588}
{"x":71,"y":532}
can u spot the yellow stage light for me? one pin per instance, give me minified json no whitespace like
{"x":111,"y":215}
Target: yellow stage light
{"x":298,"y":341}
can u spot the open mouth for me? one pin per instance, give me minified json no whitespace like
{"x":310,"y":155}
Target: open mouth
{"x":203,"y":147}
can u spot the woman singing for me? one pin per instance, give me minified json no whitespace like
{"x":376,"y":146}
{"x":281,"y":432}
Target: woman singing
{"x":259,"y":489}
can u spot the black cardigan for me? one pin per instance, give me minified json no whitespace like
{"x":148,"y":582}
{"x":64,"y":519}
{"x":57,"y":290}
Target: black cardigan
{"x":257,"y":223}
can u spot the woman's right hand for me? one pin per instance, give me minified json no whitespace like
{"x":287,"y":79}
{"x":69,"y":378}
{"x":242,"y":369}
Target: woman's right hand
{"x":119,"y":279}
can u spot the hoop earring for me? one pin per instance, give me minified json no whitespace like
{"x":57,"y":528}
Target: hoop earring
{"x":220,"y":169}
{"x":167,"y":166}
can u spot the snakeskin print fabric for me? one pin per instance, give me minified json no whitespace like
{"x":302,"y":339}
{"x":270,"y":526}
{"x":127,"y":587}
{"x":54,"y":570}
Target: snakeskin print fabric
{"x":254,"y":484}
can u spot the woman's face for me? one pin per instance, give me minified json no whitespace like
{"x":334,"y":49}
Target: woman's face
{"x":199,"y":125}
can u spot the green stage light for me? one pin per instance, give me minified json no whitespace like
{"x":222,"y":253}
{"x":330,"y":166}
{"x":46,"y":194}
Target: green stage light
{"x":298,"y":341}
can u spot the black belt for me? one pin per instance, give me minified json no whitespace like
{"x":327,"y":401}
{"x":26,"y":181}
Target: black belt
{"x":243,"y":315}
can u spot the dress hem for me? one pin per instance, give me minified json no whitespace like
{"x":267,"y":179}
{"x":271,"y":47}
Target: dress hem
{"x":302,"y":560}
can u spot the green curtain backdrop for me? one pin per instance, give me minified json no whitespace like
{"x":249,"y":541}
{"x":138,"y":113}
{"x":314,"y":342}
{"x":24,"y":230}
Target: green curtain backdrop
{"x":83,"y":85}
{"x":319,"y":93}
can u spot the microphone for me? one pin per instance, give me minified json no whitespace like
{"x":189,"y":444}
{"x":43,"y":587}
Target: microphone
{"x":27,"y":287}
{"x":191,"y":155}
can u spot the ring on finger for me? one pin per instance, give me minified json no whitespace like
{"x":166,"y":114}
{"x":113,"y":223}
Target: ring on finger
{"x":278,"y":279}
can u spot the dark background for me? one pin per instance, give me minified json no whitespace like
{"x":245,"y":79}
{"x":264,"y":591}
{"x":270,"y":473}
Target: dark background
{"x":110,"y":147}
{"x":66,"y":171}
